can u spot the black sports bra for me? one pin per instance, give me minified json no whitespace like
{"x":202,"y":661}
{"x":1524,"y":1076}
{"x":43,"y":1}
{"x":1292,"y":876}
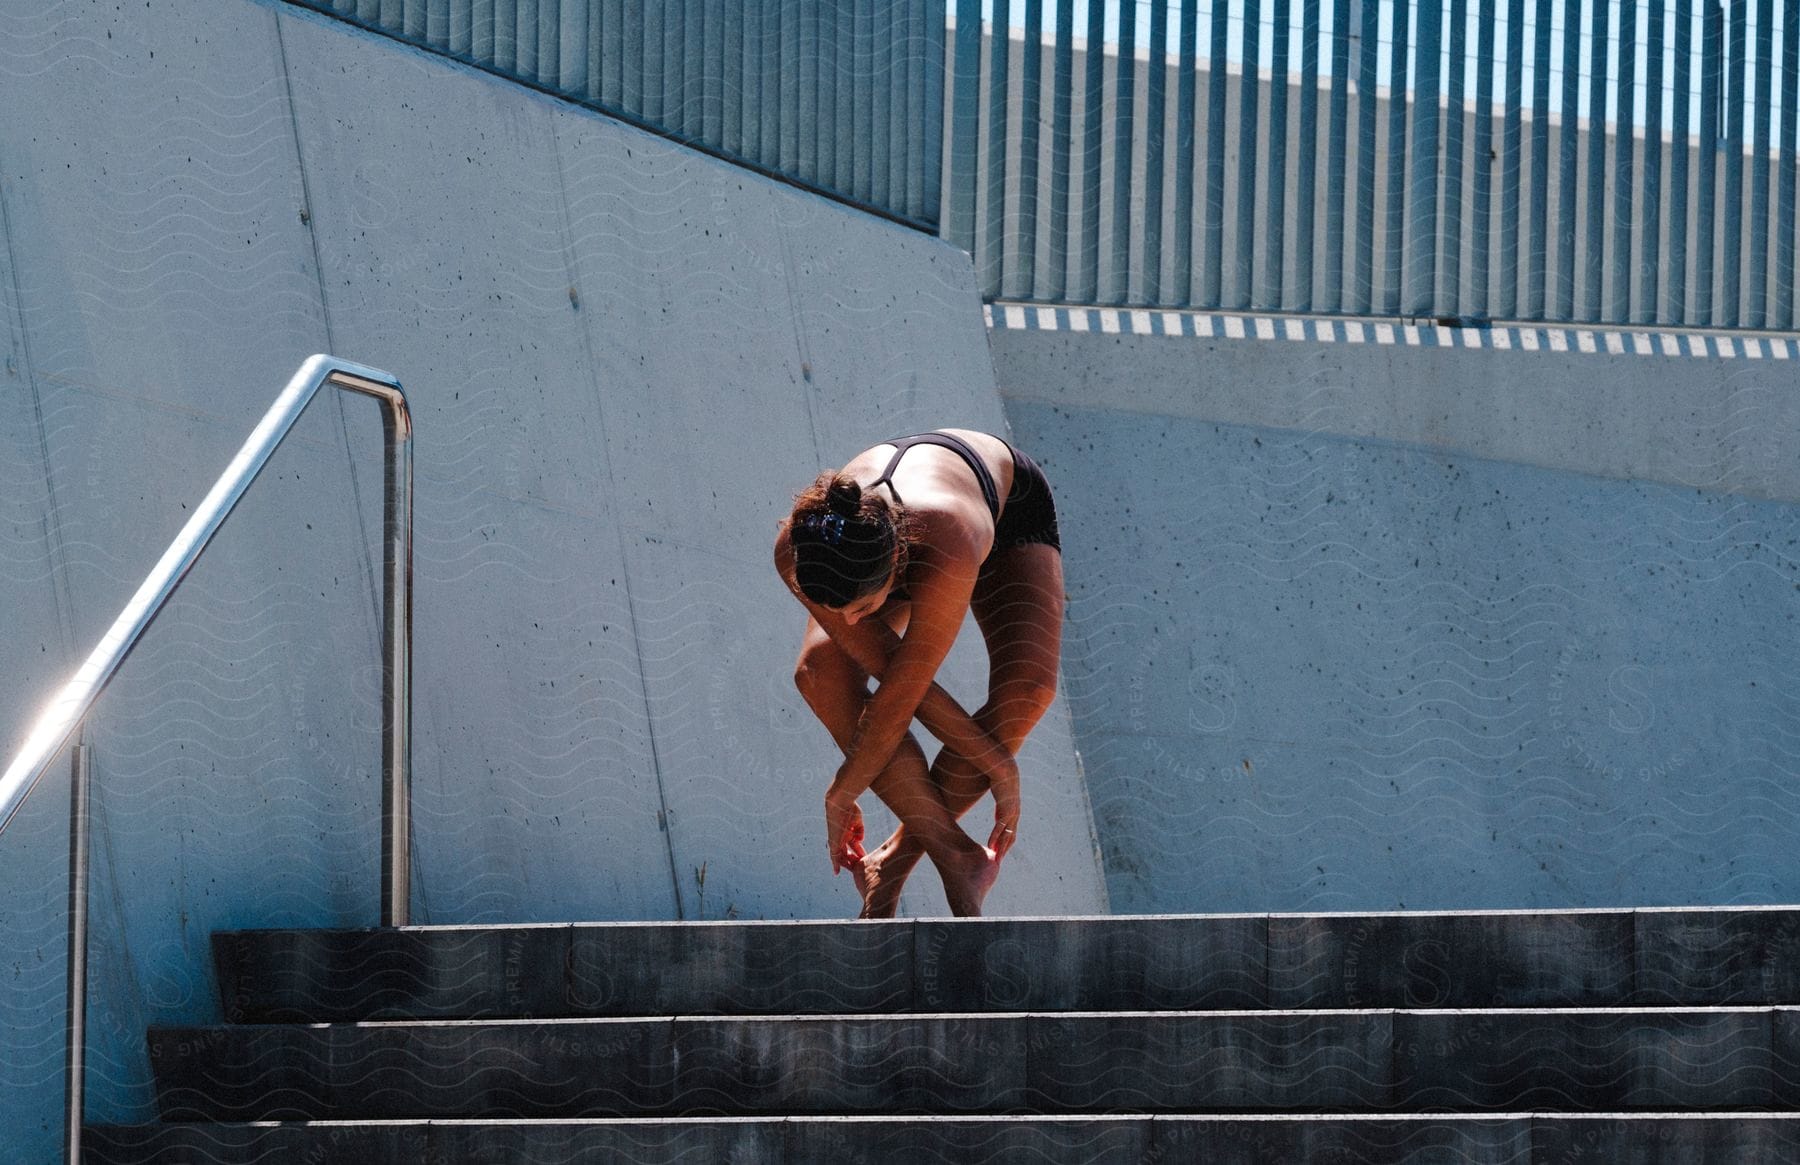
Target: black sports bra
{"x":956,"y":445}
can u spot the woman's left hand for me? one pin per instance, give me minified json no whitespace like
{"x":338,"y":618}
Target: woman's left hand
{"x":843,"y":830}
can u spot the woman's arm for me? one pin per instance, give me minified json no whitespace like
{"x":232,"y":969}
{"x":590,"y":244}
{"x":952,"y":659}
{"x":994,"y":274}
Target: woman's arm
{"x":871,"y":645}
{"x":942,"y":581}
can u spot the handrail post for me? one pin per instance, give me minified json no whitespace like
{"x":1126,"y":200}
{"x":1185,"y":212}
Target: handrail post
{"x":75,"y":1051}
{"x":396,"y":728}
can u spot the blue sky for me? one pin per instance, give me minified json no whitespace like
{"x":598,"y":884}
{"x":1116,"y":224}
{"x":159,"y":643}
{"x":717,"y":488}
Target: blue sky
{"x":1294,"y":11}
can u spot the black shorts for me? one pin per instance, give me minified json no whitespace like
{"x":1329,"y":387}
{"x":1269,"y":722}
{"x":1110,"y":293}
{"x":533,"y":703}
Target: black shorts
{"x":1030,"y":512}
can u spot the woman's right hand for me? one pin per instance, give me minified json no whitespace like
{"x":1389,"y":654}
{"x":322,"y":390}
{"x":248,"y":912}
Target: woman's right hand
{"x":1004,"y":780}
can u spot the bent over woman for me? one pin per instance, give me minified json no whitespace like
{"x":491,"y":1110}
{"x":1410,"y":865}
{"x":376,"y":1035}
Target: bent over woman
{"x":887,"y":555}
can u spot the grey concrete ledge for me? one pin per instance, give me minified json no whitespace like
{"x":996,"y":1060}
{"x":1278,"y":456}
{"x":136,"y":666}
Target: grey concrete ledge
{"x":1599,"y":340}
{"x":1374,"y":1061}
{"x":1479,"y":959}
{"x":1514,"y":1139}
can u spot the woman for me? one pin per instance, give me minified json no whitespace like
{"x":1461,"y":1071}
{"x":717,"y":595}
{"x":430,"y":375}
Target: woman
{"x":887,"y":555}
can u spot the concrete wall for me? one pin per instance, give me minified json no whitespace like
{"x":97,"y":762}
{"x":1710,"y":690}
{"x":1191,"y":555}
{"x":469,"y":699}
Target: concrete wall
{"x":623,"y":359}
{"x":1384,"y":624}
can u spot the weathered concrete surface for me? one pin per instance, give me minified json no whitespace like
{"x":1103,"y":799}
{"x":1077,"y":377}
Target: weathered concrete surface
{"x":1414,"y":960}
{"x":1378,"y":626}
{"x":622,"y":358}
{"x":1365,"y":1061}
{"x":1643,"y":1139}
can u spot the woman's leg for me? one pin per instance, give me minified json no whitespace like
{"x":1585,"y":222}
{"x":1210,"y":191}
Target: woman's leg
{"x":1018,"y":604}
{"x":837,"y":691}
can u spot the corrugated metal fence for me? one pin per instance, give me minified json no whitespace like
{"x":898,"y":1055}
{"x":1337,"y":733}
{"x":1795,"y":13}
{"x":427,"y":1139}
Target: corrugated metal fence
{"x":1608,"y":161}
{"x":1620,"y":161}
{"x":843,"y":95}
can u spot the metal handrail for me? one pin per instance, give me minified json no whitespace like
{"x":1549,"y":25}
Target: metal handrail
{"x":64,"y":714}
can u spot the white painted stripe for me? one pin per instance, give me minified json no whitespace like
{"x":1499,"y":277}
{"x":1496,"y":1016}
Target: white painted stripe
{"x":1265,"y":328}
{"x":1671,"y":345}
{"x":1697,"y":345}
{"x":1324,"y":332}
{"x":1234,"y":327}
{"x":1173,"y":323}
{"x":1078,"y":321}
{"x":1295,"y":329}
{"x":1204,"y":325}
{"x":1726,"y":348}
{"x":987,"y":314}
{"x":1471,"y":337}
{"x":1353,"y":331}
{"x":1411,"y":332}
{"x":1584,"y":340}
{"x":1046,"y":318}
{"x":1140,"y":323}
{"x":1753,"y":348}
{"x":1384,"y":333}
{"x":1615,"y":343}
{"x":1779,"y":348}
{"x":1559,"y":340}
{"x":1640,"y":343}
{"x":1109,"y":322}
{"x":1015,"y":316}
{"x":1528,"y":339}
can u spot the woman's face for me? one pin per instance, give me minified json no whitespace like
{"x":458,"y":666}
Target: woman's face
{"x":869,"y":604}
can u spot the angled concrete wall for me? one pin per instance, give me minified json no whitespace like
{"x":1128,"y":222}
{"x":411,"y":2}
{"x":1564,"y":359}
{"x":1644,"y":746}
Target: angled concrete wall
{"x":1363,"y":621}
{"x":623,"y":360}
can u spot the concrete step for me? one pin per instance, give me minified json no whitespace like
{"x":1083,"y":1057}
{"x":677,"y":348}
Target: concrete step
{"x":1370,"y":1061}
{"x":1511,"y":1139}
{"x":1406,"y":960}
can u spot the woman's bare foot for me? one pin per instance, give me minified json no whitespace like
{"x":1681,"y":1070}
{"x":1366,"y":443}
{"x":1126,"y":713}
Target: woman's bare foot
{"x":967,"y":889}
{"x":881,"y":877}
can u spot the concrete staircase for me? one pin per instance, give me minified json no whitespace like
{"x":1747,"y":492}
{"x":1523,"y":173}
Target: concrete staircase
{"x":1527,"y":1038}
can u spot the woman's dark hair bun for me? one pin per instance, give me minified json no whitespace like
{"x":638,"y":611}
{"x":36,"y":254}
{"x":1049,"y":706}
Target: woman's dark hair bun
{"x":844,"y":497}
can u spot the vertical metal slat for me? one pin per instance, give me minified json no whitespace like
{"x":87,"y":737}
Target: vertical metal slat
{"x":1362,"y":281}
{"x":1085,"y":282}
{"x":1646,"y":297}
{"x":1537,"y":261}
{"x":1274,"y":264}
{"x":1331,"y":294}
{"x":1212,"y":291}
{"x":1568,"y":155}
{"x":1030,"y":118}
{"x":965,"y":127}
{"x":1672,"y":309}
{"x":1062,"y":85}
{"x":1731,"y":263}
{"x":1784,"y":201}
{"x":1449,"y":295}
{"x":1398,"y":87}
{"x":1481,"y":209}
{"x":825,"y":108}
{"x":1248,"y":111}
{"x":1594,"y":229}
{"x":1756,"y":310}
{"x":733,"y":78}
{"x":572,"y":58}
{"x":1422,"y":193}
{"x":1300,"y":296}
{"x":885,"y":80}
{"x":1118,"y":267}
{"x":1156,"y":82}
{"x":461,"y":31}
{"x":990,"y":270}
{"x":926,"y":87}
{"x":1506,"y":301}
{"x":1712,"y":75}
{"x":1181,"y":289}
